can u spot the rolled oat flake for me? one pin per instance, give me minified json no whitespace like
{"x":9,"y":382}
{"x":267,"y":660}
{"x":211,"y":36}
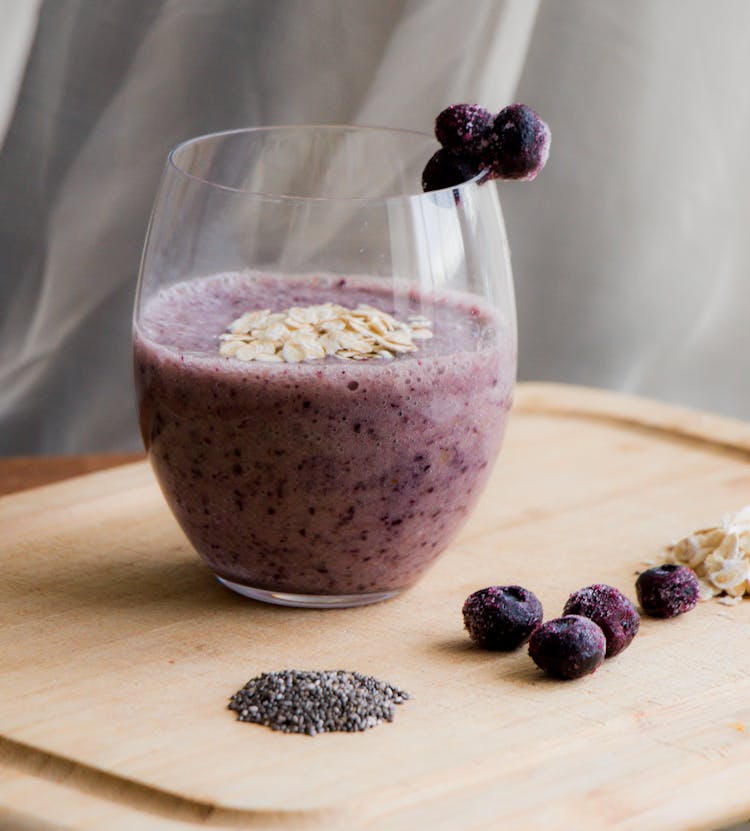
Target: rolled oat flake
{"x":325,"y":701}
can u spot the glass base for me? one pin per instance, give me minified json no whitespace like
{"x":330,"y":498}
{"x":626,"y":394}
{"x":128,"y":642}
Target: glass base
{"x":307,"y":601}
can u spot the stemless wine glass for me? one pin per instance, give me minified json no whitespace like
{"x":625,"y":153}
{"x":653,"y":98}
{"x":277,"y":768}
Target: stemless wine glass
{"x":335,"y":480}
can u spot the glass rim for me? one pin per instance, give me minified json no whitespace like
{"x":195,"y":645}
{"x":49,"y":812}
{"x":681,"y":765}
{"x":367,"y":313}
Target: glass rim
{"x":288,"y":197}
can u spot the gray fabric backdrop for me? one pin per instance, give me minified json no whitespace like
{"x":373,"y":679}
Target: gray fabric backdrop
{"x":631,"y":251}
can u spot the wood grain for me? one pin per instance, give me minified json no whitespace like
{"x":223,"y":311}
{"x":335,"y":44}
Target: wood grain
{"x":119,"y":652}
{"x":18,"y":473}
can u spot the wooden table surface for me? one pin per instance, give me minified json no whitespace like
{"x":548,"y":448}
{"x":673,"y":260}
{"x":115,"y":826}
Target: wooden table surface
{"x":640,"y":746}
{"x":19,"y":473}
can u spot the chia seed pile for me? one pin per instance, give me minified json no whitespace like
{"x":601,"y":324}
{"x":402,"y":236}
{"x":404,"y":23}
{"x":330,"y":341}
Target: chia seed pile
{"x":326,"y":701}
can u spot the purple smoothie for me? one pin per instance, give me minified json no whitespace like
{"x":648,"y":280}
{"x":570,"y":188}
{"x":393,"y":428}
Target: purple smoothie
{"x":327,"y":477}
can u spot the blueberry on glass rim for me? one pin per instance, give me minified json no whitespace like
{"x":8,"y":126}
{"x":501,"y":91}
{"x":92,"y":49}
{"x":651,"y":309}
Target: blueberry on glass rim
{"x":446,"y":170}
{"x":501,"y":617}
{"x":608,"y":607}
{"x":463,"y":128}
{"x":514,"y":144}
{"x":517,"y":144}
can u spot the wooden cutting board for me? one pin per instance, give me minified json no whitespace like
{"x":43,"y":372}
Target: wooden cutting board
{"x":118,"y":652}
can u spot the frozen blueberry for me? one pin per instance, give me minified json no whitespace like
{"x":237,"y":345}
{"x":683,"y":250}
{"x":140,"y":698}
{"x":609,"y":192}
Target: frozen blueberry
{"x":667,"y":591}
{"x":610,"y":610}
{"x":462,"y":128}
{"x":518,"y":144}
{"x":568,"y":647}
{"x":446,"y":170}
{"x":501,"y":617}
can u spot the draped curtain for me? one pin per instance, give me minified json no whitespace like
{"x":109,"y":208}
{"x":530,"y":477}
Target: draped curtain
{"x":631,"y":251}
